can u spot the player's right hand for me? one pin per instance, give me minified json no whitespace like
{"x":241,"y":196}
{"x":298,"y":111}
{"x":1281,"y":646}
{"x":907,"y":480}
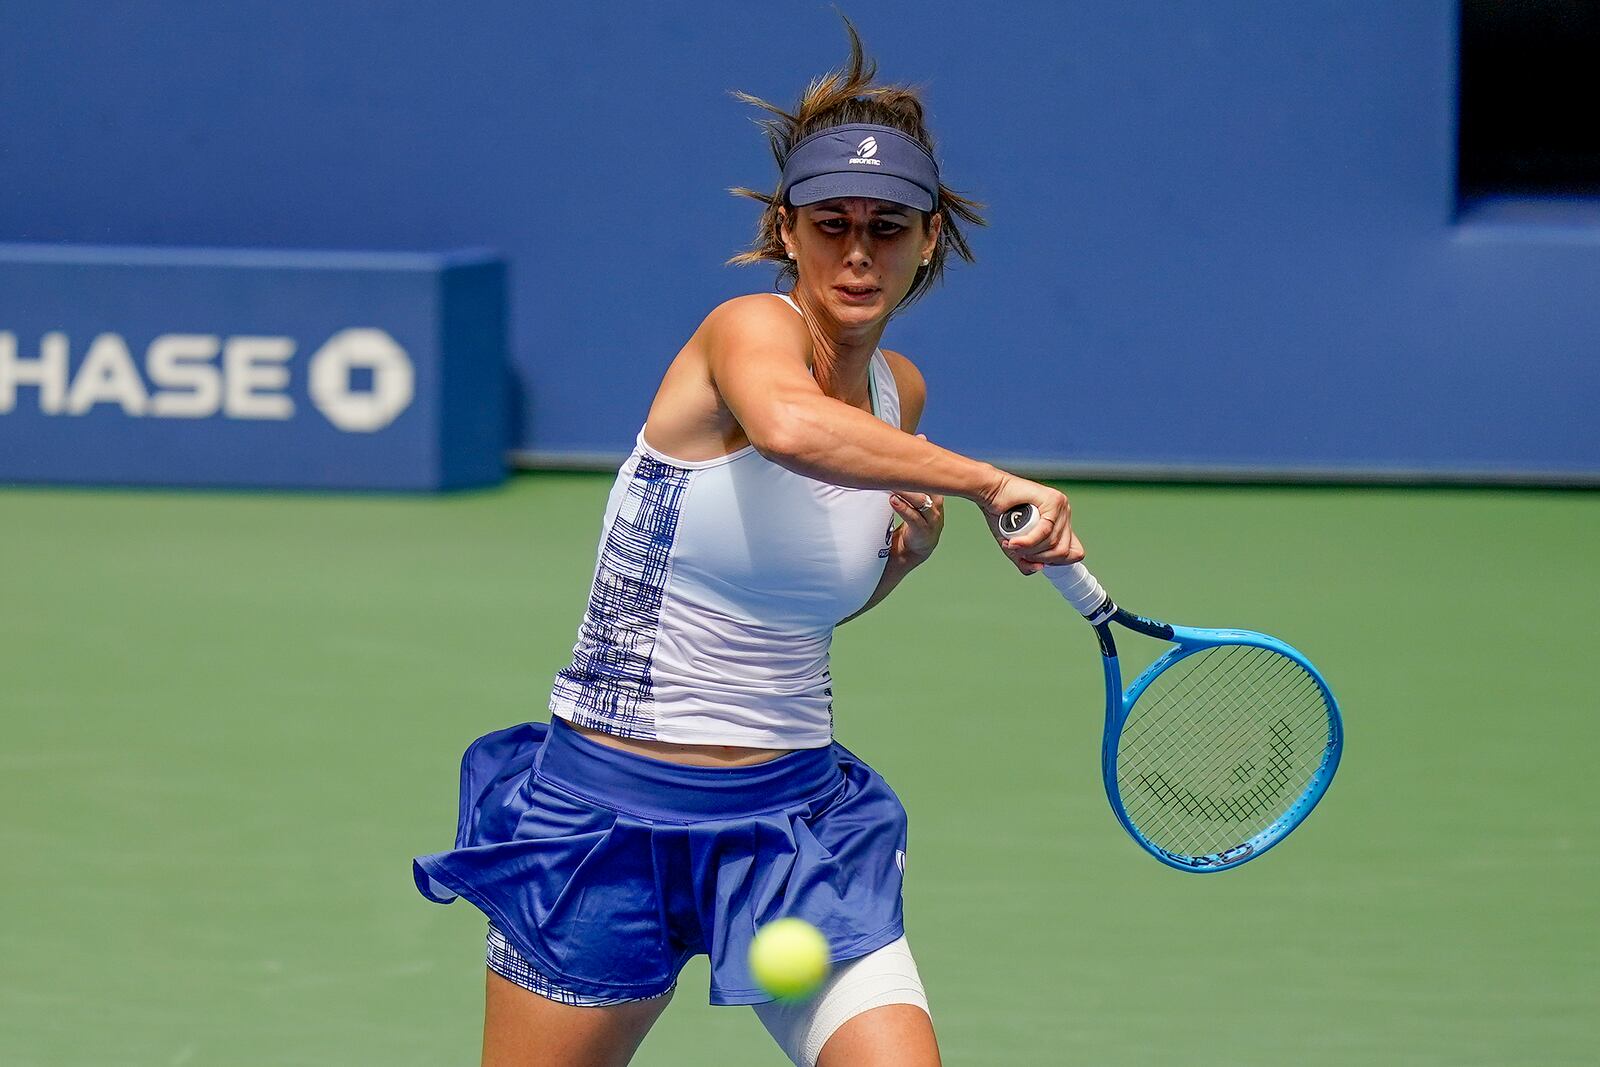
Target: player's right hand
{"x":1051,"y":541}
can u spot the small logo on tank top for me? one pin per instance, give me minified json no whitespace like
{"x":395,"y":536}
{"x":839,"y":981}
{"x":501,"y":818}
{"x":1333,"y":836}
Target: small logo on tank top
{"x":900,"y":859}
{"x":888,"y":539}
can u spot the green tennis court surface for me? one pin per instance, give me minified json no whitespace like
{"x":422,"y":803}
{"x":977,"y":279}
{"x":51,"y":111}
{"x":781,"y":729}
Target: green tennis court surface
{"x":230,"y":720}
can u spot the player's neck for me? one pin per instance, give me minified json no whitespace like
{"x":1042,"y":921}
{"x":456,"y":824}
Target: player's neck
{"x":841,"y":355}
{"x":842,"y":372}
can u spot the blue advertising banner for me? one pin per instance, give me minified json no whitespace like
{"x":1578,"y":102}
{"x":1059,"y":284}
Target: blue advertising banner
{"x":171,"y":366}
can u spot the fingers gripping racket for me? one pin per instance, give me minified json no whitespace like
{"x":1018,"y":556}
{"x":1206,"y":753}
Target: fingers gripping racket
{"x":1217,"y":749}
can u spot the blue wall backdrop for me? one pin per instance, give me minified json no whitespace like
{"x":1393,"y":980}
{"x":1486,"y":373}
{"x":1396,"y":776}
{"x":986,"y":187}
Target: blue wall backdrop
{"x":1224,"y":237}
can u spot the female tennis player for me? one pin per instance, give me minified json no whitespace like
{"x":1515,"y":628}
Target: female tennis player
{"x":688,"y":788}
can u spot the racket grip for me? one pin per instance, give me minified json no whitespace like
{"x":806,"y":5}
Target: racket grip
{"x":1082,"y":591}
{"x":1072,"y":580}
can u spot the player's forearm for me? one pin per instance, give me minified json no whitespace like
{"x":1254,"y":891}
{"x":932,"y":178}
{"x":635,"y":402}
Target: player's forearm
{"x":833,"y":442}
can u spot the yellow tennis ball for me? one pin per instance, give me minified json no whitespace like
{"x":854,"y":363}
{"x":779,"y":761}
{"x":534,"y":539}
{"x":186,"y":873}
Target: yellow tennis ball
{"x":789,"y":958}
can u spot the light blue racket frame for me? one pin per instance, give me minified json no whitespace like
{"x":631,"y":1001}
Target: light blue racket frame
{"x":1186,"y":641}
{"x":1081,"y":589}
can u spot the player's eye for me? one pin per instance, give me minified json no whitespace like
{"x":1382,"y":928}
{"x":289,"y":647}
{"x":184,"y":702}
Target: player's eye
{"x":834,"y":226}
{"x":884,"y":228}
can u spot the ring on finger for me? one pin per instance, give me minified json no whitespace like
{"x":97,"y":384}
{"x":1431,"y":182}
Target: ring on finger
{"x":926,"y":505}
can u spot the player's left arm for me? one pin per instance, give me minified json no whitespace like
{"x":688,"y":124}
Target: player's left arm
{"x":917,"y":535}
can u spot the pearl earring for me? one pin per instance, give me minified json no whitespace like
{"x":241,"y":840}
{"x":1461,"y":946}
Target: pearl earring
{"x":924,"y":263}
{"x":793,"y":256}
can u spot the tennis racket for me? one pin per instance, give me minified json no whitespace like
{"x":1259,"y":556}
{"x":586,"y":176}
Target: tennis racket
{"x":1220,"y":747}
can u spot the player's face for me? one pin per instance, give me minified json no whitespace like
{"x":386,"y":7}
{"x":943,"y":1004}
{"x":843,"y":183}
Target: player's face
{"x":859,"y":257}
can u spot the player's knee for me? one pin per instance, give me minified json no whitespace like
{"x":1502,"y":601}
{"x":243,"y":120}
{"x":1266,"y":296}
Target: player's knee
{"x":886,"y":976}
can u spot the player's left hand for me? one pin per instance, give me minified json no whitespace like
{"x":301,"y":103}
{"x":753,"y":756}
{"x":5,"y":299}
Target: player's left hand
{"x":921,"y":523}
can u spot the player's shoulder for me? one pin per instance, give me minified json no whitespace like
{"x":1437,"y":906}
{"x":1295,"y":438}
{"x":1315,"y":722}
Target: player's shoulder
{"x":907,"y":378}
{"x":763,"y":315}
{"x":909,"y":384}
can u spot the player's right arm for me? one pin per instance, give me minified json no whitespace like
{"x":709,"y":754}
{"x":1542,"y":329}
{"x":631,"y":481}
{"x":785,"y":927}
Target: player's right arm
{"x":756,"y":351}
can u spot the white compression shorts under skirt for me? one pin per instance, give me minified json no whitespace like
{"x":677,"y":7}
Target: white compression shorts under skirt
{"x":887,"y":976}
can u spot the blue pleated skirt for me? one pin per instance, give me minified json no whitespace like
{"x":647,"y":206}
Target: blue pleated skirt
{"x":608,"y":870}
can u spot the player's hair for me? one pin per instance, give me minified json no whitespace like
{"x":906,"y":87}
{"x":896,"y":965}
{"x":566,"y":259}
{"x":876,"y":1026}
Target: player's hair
{"x":839,"y":98}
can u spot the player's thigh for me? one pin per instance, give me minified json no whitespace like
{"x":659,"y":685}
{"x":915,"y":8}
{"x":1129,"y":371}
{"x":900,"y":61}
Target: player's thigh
{"x":894,"y":1035}
{"x":523,"y":1029}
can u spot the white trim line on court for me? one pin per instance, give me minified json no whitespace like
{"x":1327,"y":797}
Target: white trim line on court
{"x":535,"y":459}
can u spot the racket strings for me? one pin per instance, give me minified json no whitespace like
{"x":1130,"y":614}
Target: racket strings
{"x":1220,"y":745}
{"x":1173,"y":727}
{"x":1229,"y":798}
{"x":1195,"y":785}
{"x":1190,"y":785}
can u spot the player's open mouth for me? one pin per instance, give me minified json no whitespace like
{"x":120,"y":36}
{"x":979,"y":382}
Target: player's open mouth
{"x":858,"y":293}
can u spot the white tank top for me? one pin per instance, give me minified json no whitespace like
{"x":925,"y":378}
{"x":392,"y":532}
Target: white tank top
{"x":715,"y":595}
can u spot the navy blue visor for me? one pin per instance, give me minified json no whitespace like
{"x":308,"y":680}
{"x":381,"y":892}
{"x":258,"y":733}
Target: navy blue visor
{"x":861,"y":160}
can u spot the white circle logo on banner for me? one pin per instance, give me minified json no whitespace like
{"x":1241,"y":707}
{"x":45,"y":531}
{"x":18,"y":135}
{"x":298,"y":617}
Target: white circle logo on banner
{"x":366,"y":410}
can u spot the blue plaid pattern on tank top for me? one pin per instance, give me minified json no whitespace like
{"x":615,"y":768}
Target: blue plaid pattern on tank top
{"x":609,"y":681}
